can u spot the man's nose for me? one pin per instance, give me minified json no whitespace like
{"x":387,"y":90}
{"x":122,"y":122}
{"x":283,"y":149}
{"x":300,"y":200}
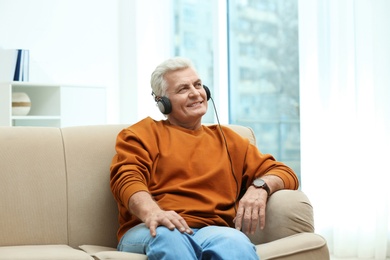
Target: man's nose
{"x":194,"y":91}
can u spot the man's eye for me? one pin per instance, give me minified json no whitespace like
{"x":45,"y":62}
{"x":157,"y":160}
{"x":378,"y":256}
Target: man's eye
{"x":198,"y":85}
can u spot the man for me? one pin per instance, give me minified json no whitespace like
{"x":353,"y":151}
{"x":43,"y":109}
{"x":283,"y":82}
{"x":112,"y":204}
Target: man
{"x":177,"y":182}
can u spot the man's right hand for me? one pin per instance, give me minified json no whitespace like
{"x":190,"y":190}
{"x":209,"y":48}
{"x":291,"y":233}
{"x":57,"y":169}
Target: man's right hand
{"x":169,"y":219}
{"x":142,"y":205}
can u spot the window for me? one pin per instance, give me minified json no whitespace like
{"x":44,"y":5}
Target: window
{"x":263,"y":66}
{"x":263,"y":74}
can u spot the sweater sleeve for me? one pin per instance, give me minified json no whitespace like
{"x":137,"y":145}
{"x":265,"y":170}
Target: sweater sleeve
{"x":267,"y":165}
{"x":130,"y":167}
{"x":255,"y":164}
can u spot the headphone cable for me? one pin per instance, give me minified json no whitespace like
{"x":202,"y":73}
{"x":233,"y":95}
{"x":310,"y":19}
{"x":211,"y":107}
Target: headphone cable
{"x":230,"y":158}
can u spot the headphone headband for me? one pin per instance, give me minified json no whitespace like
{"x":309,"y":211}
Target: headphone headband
{"x":156,"y":98}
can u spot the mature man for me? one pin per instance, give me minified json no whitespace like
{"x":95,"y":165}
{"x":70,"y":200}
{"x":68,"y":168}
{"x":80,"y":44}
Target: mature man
{"x":178,"y":182}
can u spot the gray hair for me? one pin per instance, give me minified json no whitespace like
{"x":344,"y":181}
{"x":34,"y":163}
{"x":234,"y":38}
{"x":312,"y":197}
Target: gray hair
{"x":158,"y":82}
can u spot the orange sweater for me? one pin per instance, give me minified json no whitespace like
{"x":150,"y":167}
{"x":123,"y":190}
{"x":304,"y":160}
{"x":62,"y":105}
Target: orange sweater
{"x":187,"y":171}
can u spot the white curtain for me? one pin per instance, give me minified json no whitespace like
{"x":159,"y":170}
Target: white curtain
{"x":345,"y":122}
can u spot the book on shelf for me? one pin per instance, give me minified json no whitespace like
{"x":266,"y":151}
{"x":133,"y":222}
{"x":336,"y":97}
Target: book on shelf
{"x":22,"y":66}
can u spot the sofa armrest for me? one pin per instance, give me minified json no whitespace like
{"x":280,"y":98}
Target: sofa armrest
{"x":302,"y":246}
{"x":288,"y":212}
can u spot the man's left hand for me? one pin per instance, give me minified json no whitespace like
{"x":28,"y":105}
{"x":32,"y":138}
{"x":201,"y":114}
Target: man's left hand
{"x":251,"y":208}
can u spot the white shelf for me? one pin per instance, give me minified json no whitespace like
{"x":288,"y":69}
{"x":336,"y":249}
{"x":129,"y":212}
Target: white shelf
{"x":36,"y":117}
{"x":54,"y":105}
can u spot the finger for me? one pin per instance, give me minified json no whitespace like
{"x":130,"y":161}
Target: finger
{"x":152,"y":229}
{"x":247,"y":220}
{"x":168,"y":223}
{"x":254,"y":220}
{"x":180,"y":224}
{"x":262,"y":217}
{"x":187,"y":229}
{"x":238,"y":218}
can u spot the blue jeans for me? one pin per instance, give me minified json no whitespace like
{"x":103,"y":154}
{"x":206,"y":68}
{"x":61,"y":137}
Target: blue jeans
{"x":211,"y":242}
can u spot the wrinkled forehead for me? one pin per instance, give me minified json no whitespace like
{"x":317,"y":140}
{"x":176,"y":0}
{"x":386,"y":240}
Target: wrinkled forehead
{"x":180,"y":77}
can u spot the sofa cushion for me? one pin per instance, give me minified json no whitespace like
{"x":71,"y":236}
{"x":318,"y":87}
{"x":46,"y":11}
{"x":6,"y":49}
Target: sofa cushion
{"x":42,"y":252}
{"x":303,"y":246}
{"x":116,"y":255}
{"x":93,"y":212}
{"x":33,"y":187}
{"x":109,"y":253}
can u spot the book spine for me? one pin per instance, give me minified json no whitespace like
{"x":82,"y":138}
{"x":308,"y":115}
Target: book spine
{"x":17,"y":66}
{"x":22,"y":65}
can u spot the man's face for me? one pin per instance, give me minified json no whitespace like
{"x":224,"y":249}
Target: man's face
{"x":187,"y":96}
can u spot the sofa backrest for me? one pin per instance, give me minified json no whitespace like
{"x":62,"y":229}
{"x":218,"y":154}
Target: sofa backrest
{"x":54,"y":185}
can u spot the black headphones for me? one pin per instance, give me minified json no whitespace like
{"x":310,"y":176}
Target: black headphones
{"x":165,"y":105}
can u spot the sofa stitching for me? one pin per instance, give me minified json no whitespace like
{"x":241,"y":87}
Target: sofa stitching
{"x":67,"y":187}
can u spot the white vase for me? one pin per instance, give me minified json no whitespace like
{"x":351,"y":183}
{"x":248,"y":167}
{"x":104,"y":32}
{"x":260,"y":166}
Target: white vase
{"x":21,"y":104}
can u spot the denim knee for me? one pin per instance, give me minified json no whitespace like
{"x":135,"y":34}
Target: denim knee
{"x":171,"y":244}
{"x":225,"y":243}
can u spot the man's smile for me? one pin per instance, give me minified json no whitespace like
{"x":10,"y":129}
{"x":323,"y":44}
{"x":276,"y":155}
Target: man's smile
{"x":195,"y":104}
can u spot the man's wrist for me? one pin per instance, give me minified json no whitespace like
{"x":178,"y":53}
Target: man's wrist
{"x":261,"y":184}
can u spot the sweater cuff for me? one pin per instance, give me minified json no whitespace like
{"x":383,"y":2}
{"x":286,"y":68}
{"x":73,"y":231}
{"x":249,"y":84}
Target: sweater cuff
{"x":290,"y":181}
{"x":130,"y":191}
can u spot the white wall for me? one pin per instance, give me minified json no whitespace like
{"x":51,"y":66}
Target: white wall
{"x":70,"y":42}
{"x":113,"y":43}
{"x":145,"y":32}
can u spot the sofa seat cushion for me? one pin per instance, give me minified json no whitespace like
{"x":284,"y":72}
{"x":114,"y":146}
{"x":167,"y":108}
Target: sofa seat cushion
{"x":42,"y":252}
{"x":109,"y":253}
{"x":303,"y":246}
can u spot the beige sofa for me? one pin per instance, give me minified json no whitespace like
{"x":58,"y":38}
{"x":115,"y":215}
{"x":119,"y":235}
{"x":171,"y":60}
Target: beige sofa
{"x":56,"y":201}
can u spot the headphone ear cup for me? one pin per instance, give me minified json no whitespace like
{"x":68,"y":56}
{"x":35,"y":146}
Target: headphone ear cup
{"x":208,"y":93}
{"x":164,"y":105}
